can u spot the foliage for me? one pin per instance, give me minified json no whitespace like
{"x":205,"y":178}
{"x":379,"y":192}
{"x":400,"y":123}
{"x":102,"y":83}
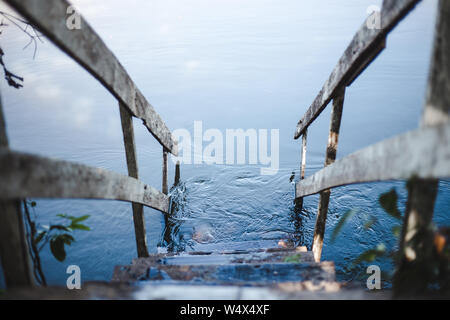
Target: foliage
{"x":346,"y":216}
{"x":389,"y":202}
{"x":296,"y":258}
{"x":58,"y":236}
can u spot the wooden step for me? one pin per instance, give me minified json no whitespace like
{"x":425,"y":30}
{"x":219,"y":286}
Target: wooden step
{"x":255,"y":267}
{"x":273,"y":255}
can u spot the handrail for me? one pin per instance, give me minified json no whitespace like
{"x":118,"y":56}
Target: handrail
{"x":30,"y":176}
{"x":89,"y":50}
{"x":362,"y":50}
{"x":397,"y":158}
{"x":422,"y":154}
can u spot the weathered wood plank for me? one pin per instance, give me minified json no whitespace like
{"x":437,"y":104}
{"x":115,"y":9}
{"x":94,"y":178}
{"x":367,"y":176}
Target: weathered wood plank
{"x":423,"y":153}
{"x":165,"y":185}
{"x":299,"y":201}
{"x":330,"y":157}
{"x":130,"y":152}
{"x":15,"y":258}
{"x":14,"y":254}
{"x":30,"y":176}
{"x":364,"y":47}
{"x":89,"y":50}
{"x":177,"y":177}
{"x":416,"y":243}
{"x":303,"y":164}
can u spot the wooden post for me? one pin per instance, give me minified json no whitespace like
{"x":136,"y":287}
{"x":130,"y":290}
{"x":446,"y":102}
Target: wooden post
{"x":14,"y":253}
{"x":416,"y":242}
{"x":177,"y":174}
{"x":299,"y":201}
{"x":330,"y":157}
{"x":130,"y":151}
{"x":165,"y":188}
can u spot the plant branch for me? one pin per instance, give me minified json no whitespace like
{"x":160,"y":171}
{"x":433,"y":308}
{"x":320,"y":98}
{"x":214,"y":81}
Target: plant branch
{"x":34,"y":252}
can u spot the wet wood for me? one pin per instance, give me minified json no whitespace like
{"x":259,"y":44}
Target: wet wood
{"x":398,"y":158}
{"x":14,"y":254}
{"x":16,"y":263}
{"x":303,"y":165}
{"x":130,"y":152}
{"x":165,"y":187}
{"x":299,"y":201}
{"x":371,"y":56}
{"x":30,"y":176}
{"x":249,"y":267}
{"x":365,"y":46}
{"x":330,"y":157}
{"x":416,"y":244}
{"x":89,"y":50}
{"x":177,"y":174}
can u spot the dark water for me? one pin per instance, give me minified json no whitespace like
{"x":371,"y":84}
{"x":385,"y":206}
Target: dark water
{"x":232,"y":64}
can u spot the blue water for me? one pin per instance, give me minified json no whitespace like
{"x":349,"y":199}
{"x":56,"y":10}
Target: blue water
{"x":232,"y":64}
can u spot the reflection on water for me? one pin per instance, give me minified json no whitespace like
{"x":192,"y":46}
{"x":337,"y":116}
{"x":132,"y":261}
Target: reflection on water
{"x":231,"y":64}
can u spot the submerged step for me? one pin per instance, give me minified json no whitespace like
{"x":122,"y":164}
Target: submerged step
{"x":273,"y":255}
{"x":258,"y":267}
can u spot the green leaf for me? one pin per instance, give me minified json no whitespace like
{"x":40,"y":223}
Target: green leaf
{"x":66,"y":238}
{"x":59,"y":227}
{"x":396,"y":230}
{"x":33,"y":203}
{"x":370,"y":255}
{"x":345,"y":217}
{"x":79,"y":219}
{"x":388,"y":202}
{"x":293,"y":259}
{"x":79,"y":226}
{"x":57,"y":248}
{"x":65,"y":216}
{"x":370,"y":223}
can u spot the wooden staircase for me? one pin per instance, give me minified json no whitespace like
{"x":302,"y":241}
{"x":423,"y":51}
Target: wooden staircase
{"x":234,"y":274}
{"x":257,"y":274}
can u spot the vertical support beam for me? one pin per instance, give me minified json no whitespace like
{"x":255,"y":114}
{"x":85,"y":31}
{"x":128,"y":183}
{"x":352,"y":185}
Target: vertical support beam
{"x":130,"y":151}
{"x":165,"y":188}
{"x":177,"y":174}
{"x":330,"y":157}
{"x":416,"y":242}
{"x":303,"y":165}
{"x":14,"y":253}
{"x":299,"y":201}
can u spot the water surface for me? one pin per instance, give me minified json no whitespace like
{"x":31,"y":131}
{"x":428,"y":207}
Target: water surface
{"x":232,"y":64}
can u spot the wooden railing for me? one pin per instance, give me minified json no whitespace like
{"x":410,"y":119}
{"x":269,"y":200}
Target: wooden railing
{"x":29,"y":176}
{"x":422,"y":154}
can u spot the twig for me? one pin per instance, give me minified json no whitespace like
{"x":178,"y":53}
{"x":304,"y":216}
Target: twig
{"x":9,"y":76}
{"x":23,"y":25}
{"x":34,"y":251}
